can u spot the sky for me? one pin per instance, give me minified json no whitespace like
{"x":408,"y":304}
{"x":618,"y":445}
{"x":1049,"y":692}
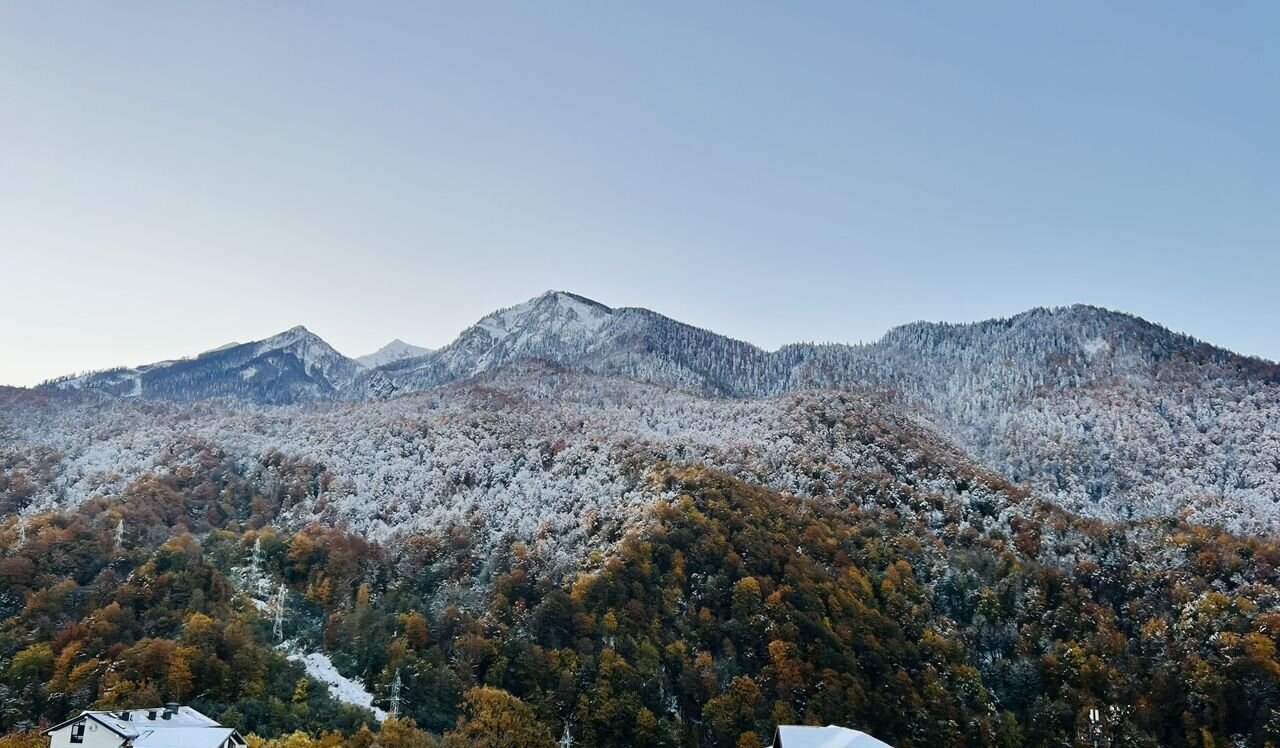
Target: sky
{"x":175,"y":176}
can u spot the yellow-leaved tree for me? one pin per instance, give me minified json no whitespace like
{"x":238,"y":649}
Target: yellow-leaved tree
{"x":493,"y":718}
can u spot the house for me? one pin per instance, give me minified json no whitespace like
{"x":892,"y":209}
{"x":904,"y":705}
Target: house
{"x":169,"y":726}
{"x":798,"y":736}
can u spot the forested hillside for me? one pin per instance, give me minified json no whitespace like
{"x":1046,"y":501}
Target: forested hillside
{"x":722,"y":609}
{"x":552,"y":458}
{"x":599,"y":527}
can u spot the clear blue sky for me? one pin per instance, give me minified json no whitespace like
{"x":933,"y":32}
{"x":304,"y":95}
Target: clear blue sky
{"x":177,"y":175}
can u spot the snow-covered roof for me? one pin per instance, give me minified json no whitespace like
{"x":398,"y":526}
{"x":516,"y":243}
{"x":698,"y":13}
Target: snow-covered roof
{"x":185,"y":737}
{"x":149,"y":728}
{"x":153,"y":718}
{"x":803,"y":736}
{"x":108,"y":720}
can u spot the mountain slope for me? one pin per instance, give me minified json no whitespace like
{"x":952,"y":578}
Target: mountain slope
{"x":904,"y":591}
{"x":1105,"y":413}
{"x":554,"y":458}
{"x":295,"y":365}
{"x":1110,"y":415}
{"x":588,"y":336}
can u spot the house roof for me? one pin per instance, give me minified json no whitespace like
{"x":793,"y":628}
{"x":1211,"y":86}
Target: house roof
{"x":106,"y":719}
{"x":186,"y":737}
{"x":184,"y":716}
{"x":803,"y":736}
{"x":185,"y":726}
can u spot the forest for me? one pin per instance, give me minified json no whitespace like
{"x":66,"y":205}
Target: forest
{"x":727,"y":609}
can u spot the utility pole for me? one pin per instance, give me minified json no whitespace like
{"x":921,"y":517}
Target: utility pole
{"x":255,"y":560}
{"x":278,"y":609}
{"x":395,"y":694}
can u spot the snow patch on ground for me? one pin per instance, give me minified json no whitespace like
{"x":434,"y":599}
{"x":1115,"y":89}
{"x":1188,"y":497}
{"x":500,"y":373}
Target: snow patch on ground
{"x":1094,"y":346}
{"x":347,"y":690}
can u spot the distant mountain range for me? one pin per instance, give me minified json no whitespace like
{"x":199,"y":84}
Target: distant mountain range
{"x":396,"y":350}
{"x":1101,"y":411}
{"x":921,"y":360}
{"x":294,"y":366}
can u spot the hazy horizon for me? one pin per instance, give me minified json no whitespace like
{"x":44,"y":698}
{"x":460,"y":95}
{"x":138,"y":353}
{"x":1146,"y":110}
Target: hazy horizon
{"x":180,"y":177}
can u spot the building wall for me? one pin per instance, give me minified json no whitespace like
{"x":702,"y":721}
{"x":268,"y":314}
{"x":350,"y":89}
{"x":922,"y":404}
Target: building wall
{"x":95,"y":736}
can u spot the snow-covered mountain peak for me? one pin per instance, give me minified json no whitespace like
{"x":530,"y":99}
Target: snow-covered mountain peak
{"x":1062,"y":330}
{"x":396,"y":350}
{"x":554,"y":313}
{"x":292,"y":336}
{"x":287,"y":367}
{"x":219,"y":349}
{"x":317,"y":357}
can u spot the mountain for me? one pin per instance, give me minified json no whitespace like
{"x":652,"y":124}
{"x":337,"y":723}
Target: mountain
{"x":293,"y":366}
{"x":586,"y":335}
{"x":632,"y":564}
{"x":999,"y":361}
{"x":1104,"y":413}
{"x":607,"y":525}
{"x":396,"y":350}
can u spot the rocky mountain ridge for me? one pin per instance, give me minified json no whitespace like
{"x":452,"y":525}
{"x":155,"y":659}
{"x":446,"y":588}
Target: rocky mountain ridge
{"x":1102,"y":412}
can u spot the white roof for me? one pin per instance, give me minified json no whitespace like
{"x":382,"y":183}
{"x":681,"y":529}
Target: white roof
{"x":184,"y":717}
{"x":113,"y":722}
{"x":798,"y":736}
{"x":185,"y":727}
{"x":183,"y":737}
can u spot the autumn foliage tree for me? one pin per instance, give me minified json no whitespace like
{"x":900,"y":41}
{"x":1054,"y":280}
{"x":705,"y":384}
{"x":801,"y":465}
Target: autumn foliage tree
{"x":493,"y":718}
